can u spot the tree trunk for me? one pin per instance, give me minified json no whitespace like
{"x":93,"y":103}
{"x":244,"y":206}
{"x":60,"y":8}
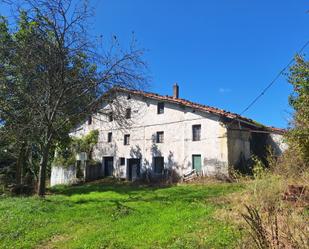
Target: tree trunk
{"x":18,"y":173}
{"x":42,"y":173}
{"x":19,"y":164}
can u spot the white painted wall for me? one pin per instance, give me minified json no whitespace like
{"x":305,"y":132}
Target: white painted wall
{"x":277,"y":142}
{"x":61,"y":175}
{"x":178,"y":147}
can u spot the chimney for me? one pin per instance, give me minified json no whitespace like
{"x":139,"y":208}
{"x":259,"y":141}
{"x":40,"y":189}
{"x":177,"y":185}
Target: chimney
{"x":175,"y":91}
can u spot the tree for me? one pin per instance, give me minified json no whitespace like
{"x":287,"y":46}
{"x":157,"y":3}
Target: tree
{"x":298,"y":136}
{"x":13,"y":115}
{"x":54,"y":77}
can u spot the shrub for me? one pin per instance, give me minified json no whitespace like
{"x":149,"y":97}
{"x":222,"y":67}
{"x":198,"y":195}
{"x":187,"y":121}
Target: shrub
{"x":259,"y":169}
{"x":298,"y":136}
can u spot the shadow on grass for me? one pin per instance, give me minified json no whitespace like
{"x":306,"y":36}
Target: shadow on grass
{"x":104,"y":185}
{"x":141,"y":193}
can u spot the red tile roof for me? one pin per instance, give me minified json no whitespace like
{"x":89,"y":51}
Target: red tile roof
{"x":205,"y":108}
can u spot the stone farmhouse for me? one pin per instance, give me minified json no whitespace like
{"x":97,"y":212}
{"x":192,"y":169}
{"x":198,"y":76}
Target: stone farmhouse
{"x":167,"y":133}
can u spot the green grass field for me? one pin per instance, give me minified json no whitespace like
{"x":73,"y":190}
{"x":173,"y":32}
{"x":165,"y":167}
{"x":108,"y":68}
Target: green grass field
{"x":118,"y":215}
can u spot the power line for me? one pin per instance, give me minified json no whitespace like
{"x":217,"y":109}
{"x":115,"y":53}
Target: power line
{"x":136,"y":127}
{"x":272,"y":82}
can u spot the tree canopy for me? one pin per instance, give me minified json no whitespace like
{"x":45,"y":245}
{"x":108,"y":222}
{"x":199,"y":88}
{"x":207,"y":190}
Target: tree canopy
{"x":52,"y":75}
{"x":298,"y":136}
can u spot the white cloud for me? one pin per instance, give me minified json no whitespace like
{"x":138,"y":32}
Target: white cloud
{"x":224,"y":90}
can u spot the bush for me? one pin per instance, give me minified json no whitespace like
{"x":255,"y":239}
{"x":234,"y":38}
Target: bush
{"x":292,"y":166}
{"x":259,"y":169}
{"x":6,"y":177}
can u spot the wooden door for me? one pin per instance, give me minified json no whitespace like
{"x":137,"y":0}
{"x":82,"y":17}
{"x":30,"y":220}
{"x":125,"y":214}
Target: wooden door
{"x":108,"y":166}
{"x":197,"y":163}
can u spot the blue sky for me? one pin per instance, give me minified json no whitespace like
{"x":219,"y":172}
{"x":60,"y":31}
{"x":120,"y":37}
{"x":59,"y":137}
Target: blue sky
{"x":222,"y":53}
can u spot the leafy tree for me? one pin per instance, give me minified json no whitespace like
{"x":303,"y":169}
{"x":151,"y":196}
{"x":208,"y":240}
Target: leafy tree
{"x":13,"y":115}
{"x":298,"y":136}
{"x":52,"y":76}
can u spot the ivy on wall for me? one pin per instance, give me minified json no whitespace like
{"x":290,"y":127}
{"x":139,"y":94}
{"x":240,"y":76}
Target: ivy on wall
{"x":65,"y":156}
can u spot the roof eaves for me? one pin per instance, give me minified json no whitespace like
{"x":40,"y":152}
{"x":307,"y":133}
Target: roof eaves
{"x":204,"y":108}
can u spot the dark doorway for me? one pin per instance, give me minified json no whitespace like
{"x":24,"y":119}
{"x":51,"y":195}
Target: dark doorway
{"x":158,"y":165}
{"x":108,"y":166}
{"x":258,"y":146}
{"x":134,"y":168}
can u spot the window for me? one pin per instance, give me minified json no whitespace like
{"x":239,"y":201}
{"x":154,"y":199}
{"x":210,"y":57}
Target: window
{"x":89,"y":120}
{"x":160,"y":108}
{"x":196,"y":132}
{"x":158,"y":164}
{"x":122,"y":161}
{"x":110,"y":117}
{"x":128,"y":113}
{"x":109,"y":137}
{"x":160,"y":137}
{"x":126,"y":140}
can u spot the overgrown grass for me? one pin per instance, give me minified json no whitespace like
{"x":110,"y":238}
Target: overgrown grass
{"x":118,"y":215}
{"x":268,"y":219}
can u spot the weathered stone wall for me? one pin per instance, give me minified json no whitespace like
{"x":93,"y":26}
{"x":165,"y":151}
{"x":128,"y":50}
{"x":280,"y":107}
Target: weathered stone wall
{"x":94,"y":172}
{"x":218,"y":147}
{"x":238,"y":148}
{"x":63,"y":175}
{"x":176,"y":123}
{"x":243,"y":144}
{"x":72,"y":174}
{"x":276,"y":141}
